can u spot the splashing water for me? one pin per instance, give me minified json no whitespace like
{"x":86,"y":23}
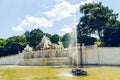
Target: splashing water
{"x":74,"y":42}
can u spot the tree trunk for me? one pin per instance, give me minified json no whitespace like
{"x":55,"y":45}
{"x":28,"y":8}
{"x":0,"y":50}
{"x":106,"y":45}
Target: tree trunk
{"x":100,"y":35}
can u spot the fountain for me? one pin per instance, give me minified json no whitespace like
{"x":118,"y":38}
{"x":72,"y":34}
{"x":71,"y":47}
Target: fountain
{"x":47,"y":54}
{"x":51,"y":54}
{"x":28,"y":48}
{"x":74,"y":46}
{"x":74,"y":52}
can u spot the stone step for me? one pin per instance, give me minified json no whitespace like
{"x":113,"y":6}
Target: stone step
{"x":45,"y":61}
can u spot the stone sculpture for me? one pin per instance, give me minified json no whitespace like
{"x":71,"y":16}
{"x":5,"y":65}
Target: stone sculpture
{"x":47,"y":44}
{"x":28,"y":48}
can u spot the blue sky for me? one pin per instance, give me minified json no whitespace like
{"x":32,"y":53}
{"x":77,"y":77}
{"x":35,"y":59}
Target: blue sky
{"x":51,"y":16}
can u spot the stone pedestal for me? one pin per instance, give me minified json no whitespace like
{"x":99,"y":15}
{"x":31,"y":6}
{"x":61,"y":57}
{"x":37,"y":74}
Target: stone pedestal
{"x":45,"y":61}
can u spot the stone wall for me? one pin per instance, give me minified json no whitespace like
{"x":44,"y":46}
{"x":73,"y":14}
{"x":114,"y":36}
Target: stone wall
{"x":100,"y":55}
{"x":50,"y":53}
{"x":10,"y":60}
{"x":90,"y":55}
{"x":49,"y":57}
{"x":45,"y":61}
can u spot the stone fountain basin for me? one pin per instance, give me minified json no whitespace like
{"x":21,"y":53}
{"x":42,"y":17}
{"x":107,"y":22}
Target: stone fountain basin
{"x":45,"y":61}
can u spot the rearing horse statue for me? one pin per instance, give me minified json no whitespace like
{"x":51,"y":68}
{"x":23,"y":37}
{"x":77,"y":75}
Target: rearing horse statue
{"x":46,"y":44}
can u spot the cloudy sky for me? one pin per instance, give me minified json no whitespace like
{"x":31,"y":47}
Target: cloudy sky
{"x":51,"y":16}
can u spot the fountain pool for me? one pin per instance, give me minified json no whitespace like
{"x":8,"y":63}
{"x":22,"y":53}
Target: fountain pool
{"x":57,"y":73}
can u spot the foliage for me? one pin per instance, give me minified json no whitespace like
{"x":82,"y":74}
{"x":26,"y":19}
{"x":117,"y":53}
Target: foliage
{"x":12,"y":45}
{"x":87,"y":40}
{"x":83,"y":37}
{"x":2,"y":46}
{"x":94,"y":19}
{"x":48,"y":35}
{"x":66,"y":37}
{"x":34,"y":37}
{"x":66,"y":40}
{"x":15,"y":44}
{"x":55,"y":38}
{"x":112,"y":33}
{"x":2,"y":43}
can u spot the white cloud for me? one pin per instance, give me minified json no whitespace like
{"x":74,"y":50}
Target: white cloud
{"x":59,"y":0}
{"x":66,"y":29}
{"x":61,"y":10}
{"x":17,"y":28}
{"x":24,"y":23}
{"x":33,"y":22}
{"x":64,"y":9}
{"x":83,"y":3}
{"x":40,"y":22}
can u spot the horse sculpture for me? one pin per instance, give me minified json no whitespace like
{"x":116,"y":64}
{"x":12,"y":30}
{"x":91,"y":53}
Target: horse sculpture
{"x":46,"y":44}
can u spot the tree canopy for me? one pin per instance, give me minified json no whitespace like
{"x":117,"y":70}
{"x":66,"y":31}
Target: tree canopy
{"x":2,"y":43}
{"x":34,"y":37}
{"x":94,"y":19}
{"x":12,"y":45}
{"x":66,"y":39}
{"x":111,"y":35}
{"x":15,"y":44}
{"x":55,"y":38}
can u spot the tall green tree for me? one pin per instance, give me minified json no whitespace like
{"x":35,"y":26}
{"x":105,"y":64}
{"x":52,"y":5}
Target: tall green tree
{"x":2,"y":46}
{"x":94,"y":19}
{"x":15,"y":44}
{"x":84,"y":37}
{"x":87,"y":40}
{"x":112,"y":33}
{"x":48,"y":35}
{"x":55,"y":38}
{"x":2,"y":43}
{"x":66,"y":39}
{"x":34,"y":37}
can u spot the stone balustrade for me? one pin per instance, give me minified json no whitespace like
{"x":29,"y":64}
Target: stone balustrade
{"x":46,"y":53}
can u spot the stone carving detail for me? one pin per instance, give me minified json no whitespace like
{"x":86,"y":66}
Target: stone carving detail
{"x":27,"y":48}
{"x":47,"y":53}
{"x":60,"y":45}
{"x":47,"y":44}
